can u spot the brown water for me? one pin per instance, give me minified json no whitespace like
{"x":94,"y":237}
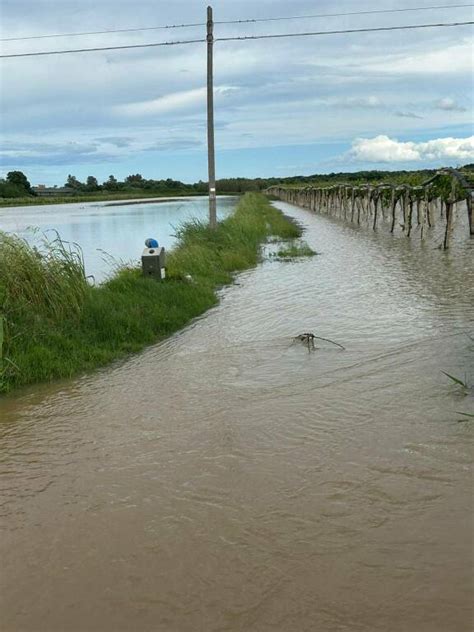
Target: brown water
{"x":230,"y":480}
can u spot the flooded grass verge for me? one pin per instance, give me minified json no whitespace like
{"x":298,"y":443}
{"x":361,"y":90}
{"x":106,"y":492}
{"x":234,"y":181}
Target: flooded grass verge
{"x":294,"y":250}
{"x":55,"y":325}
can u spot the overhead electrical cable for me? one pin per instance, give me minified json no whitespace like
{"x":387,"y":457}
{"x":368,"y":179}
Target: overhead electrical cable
{"x":106,"y":32}
{"x":337,"y":15}
{"x":235,"y":38}
{"x":101,"y":48}
{"x":242,"y":21}
{"x":366,"y":30}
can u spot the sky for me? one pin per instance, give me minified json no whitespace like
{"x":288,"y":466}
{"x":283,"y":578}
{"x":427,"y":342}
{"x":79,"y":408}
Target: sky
{"x":283,"y":107}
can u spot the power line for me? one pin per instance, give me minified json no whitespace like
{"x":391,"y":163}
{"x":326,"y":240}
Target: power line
{"x":90,"y":50}
{"x":334,"y":15}
{"x":235,"y":38}
{"x":366,"y":30}
{"x":245,"y":21}
{"x":147,"y":28}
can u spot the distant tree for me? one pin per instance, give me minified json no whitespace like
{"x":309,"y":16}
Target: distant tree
{"x":173,"y":184}
{"x":92,"y":184}
{"x":111,"y":184}
{"x":201,"y":187}
{"x":18,"y":179}
{"x":238,"y":185}
{"x":9,"y":190}
{"x":73,"y":183}
{"x":135,"y":179}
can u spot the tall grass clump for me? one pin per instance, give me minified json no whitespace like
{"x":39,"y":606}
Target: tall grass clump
{"x":53,"y":324}
{"x":39,"y":287}
{"x":48,"y":280}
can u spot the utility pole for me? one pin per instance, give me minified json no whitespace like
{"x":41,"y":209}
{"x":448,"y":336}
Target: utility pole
{"x":210,"y":122}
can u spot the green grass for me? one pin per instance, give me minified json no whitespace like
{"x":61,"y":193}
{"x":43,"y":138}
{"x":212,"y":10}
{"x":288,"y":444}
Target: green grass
{"x":456,"y":380}
{"x":294,"y":250}
{"x":55,"y":325}
{"x":466,"y":417}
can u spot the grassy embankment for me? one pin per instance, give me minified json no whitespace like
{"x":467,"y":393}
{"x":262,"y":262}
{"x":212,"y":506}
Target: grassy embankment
{"x":56,"y":325}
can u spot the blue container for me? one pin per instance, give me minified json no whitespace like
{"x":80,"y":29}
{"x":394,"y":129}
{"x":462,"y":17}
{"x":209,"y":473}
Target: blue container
{"x":151,"y":243}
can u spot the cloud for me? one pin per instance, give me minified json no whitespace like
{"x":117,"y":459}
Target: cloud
{"x":166,"y":103}
{"x":370,"y":101}
{"x":447,"y":60}
{"x":185,"y":99}
{"x":117,"y":141}
{"x":31,"y":153}
{"x":26,"y":152}
{"x":411,"y":115}
{"x":385,"y":149}
{"x":174,"y":144}
{"x":449,"y":105}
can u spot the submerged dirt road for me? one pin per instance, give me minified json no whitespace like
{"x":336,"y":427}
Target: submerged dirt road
{"x":230,"y":480}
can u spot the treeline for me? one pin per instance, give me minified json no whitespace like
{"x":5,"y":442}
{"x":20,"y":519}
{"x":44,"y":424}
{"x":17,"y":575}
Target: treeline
{"x":413,"y":177}
{"x":16,"y":183}
{"x":136,"y":183}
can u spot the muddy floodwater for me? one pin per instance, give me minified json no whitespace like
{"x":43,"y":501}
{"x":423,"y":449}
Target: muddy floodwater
{"x":229,"y":480}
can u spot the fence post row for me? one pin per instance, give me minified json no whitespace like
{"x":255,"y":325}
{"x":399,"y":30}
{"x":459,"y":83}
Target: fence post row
{"x":352,"y":202}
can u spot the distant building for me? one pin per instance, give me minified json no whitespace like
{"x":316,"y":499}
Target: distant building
{"x":43,"y":191}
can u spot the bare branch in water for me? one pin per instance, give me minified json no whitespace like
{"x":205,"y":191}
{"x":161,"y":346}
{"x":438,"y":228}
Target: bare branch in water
{"x":309,"y":339}
{"x":332,"y":341}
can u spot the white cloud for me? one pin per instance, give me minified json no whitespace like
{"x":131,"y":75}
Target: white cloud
{"x":186,"y":99}
{"x":370,"y":101}
{"x":447,"y":60}
{"x":449,"y":105}
{"x":166,"y":103}
{"x":411,"y":60}
{"x":384,"y":149}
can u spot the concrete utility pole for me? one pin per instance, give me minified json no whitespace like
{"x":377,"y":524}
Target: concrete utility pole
{"x":210,"y":122}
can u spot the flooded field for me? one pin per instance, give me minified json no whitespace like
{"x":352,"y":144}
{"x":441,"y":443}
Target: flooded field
{"x":228,"y":479}
{"x":109,"y":233}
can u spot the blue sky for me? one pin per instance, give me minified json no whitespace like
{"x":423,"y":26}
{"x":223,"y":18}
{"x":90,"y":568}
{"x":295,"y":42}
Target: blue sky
{"x":397,"y":100}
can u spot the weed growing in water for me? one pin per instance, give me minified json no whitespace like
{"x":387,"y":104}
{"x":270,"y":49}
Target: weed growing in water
{"x":294,"y":250}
